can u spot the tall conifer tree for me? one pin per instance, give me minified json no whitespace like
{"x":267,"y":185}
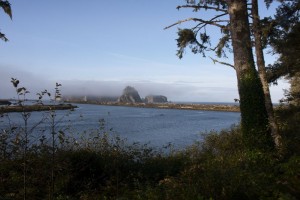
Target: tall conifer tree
{"x":233,"y":20}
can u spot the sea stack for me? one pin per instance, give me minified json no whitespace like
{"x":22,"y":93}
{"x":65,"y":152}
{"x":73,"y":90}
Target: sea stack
{"x":156,"y":99}
{"x":130,"y":95}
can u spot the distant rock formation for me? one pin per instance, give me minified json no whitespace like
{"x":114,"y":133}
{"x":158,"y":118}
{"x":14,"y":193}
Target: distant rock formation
{"x":156,"y":99}
{"x":130,"y":95}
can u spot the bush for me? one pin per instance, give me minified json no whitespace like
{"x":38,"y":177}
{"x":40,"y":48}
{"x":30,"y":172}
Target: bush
{"x":98,"y":165}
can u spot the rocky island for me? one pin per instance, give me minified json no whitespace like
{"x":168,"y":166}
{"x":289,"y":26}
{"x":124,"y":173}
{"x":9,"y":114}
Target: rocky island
{"x":130,"y":95}
{"x":156,"y":99}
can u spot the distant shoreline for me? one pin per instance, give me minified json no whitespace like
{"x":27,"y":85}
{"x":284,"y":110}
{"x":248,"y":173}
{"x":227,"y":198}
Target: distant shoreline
{"x":32,"y":108}
{"x":179,"y":106}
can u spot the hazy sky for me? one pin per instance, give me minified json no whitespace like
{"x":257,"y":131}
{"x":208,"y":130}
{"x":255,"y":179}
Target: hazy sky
{"x":98,"y":47}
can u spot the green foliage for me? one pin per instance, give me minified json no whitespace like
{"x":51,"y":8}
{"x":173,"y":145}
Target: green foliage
{"x":289,"y":116}
{"x":196,"y":38}
{"x":5,"y":5}
{"x":289,"y":179}
{"x":283,"y":36}
{"x":107,"y":169}
{"x":223,"y":168}
{"x":188,"y":38}
{"x":100,"y":166}
{"x":218,"y":3}
{"x":185,"y":38}
{"x":288,"y":63}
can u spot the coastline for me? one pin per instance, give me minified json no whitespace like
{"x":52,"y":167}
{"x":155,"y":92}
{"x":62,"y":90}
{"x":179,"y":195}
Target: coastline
{"x":179,"y":106}
{"x":32,"y":108}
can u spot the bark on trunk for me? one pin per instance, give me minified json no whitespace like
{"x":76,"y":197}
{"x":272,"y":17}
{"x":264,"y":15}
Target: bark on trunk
{"x":254,"y":118}
{"x":263,"y":76}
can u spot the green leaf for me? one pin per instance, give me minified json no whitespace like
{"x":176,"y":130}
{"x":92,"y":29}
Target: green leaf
{"x":19,"y":90}
{"x":15,"y":82}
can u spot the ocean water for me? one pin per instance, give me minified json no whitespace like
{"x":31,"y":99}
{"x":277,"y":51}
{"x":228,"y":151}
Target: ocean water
{"x":156,"y":127}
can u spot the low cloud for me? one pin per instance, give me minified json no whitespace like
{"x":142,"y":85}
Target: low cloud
{"x":28,"y":80}
{"x":173,"y":91}
{"x":179,"y":90}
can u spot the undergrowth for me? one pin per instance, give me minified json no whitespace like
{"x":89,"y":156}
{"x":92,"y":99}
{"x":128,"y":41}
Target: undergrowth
{"x":101,"y":165}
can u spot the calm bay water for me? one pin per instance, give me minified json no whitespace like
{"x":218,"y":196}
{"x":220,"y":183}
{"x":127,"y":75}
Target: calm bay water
{"x":157,"y":127}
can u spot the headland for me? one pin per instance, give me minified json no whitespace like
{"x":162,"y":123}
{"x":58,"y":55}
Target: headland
{"x":32,"y":108}
{"x":180,"y":106}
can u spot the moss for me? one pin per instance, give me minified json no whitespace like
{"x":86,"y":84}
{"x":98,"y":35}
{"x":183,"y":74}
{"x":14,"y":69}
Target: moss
{"x":253,"y":112}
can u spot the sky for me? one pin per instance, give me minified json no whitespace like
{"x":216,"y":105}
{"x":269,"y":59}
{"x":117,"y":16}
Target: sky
{"x":99,"y":47}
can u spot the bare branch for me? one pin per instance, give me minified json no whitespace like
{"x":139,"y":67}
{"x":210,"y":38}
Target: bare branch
{"x":197,"y":7}
{"x":217,"y":16}
{"x":214,"y":23}
{"x":179,"y":22}
{"x":221,"y":15}
{"x":223,"y":63}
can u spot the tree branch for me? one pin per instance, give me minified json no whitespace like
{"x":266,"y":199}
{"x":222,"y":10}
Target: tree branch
{"x":221,"y":15}
{"x":6,"y":7}
{"x":199,"y":7}
{"x":223,"y":63}
{"x":214,"y":23}
{"x":217,"y":16}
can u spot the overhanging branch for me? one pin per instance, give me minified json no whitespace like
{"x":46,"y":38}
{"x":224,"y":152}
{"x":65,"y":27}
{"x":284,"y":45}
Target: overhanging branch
{"x":214,"y":23}
{"x":197,"y":7}
{"x":202,"y":25}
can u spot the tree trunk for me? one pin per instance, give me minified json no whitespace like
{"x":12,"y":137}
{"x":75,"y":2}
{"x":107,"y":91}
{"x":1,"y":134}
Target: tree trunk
{"x":254,"y":118}
{"x":263,"y":76}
